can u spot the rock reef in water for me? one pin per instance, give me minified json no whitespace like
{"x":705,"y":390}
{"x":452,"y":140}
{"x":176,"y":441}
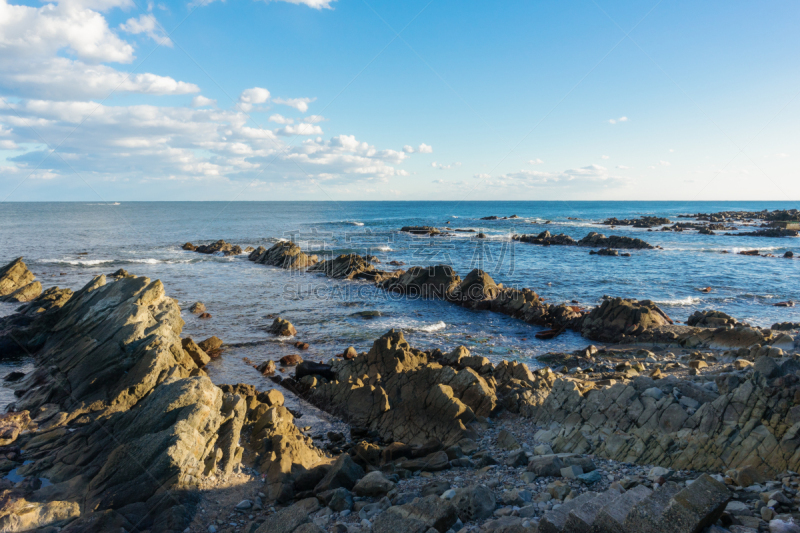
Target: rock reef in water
{"x":17,"y":283}
{"x":593,"y":239}
{"x":641,"y":222}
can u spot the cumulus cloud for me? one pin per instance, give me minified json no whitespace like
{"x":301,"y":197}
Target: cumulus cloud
{"x":301,"y":104}
{"x":663,"y":163}
{"x":280,"y":119}
{"x":536,"y":161}
{"x":615,"y":120}
{"x":315,"y":4}
{"x":603,"y":157}
{"x":314,"y":119}
{"x":146,"y":24}
{"x":408,"y":149}
{"x":249,"y":97}
{"x":202,"y":101}
{"x":57,"y":51}
{"x":425,"y":149}
{"x":300,"y":129}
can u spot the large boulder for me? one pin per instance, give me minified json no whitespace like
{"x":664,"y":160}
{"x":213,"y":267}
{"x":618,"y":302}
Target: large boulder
{"x":351,"y":266}
{"x":284,"y":254}
{"x":617,"y":317}
{"x":17,"y":283}
{"x":219,"y":248}
{"x":437,"y":281}
{"x":597,"y":240}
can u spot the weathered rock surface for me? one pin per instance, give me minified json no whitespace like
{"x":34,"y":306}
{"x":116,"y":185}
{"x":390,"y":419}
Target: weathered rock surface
{"x":352,"y":266}
{"x":282,"y":328}
{"x":616,"y":317}
{"x":17,"y":283}
{"x":395,"y":391}
{"x":597,"y":240}
{"x":220,"y":248}
{"x":283,"y":254}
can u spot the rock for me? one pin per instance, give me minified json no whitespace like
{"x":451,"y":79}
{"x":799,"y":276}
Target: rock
{"x":267,"y":368}
{"x":554,"y":521}
{"x":337,"y":500}
{"x":197,"y":308}
{"x":596,"y":240}
{"x":212,"y":346}
{"x":546,"y":466}
{"x":423,"y":515}
{"x":590,"y":477}
{"x":410,"y":400}
{"x":517,"y":459}
{"x":244,"y":505}
{"x":282,"y":328}
{"x":783,"y":526}
{"x":571,"y":472}
{"x":189,"y":246}
{"x":11,"y":425}
{"x":507,"y":441}
{"x":197,"y":354}
{"x":370,"y":510}
{"x":617,"y":317}
{"x":218,"y":248}
{"x":343,"y":473}
{"x":350,"y":353}
{"x":558,"y":489}
{"x":29,"y":292}
{"x":474,"y":503}
{"x":421,"y":230}
{"x":291,"y":360}
{"x":611,"y":518}
{"x":28,"y":516}
{"x":373,"y":484}
{"x":767,"y":366}
{"x":15,"y":276}
{"x":436,"y":488}
{"x":283,"y":254}
{"x":287,"y":520}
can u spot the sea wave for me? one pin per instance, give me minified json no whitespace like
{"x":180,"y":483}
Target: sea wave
{"x":679,"y":302}
{"x":81,"y":262}
{"x":430,"y":328}
{"x":355,"y":223}
{"x":384,"y":249}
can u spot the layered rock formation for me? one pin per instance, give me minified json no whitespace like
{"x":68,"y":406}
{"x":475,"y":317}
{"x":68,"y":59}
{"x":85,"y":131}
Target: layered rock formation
{"x":396,"y":391}
{"x":17,"y":283}
{"x":641,"y":222}
{"x":284,"y":254}
{"x":351,"y":266}
{"x":123,"y":421}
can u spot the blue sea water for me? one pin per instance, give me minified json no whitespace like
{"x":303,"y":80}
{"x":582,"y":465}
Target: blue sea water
{"x":65,"y":244}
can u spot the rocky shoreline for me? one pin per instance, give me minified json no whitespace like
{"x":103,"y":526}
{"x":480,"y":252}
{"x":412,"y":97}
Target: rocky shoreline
{"x":118,"y":427}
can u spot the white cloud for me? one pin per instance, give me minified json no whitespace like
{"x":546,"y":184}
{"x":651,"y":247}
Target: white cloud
{"x":315,"y":4}
{"x":623,"y":167}
{"x":301,"y":104}
{"x":56,"y":51}
{"x":249,"y":97}
{"x":8,"y":145}
{"x":603,"y":157}
{"x":314,"y":119}
{"x":483,"y":176}
{"x":425,"y":149}
{"x":202,"y":101}
{"x":445,"y":167}
{"x":300,"y":129}
{"x":280,"y":119}
{"x":663,"y":163}
{"x":615,"y":120}
{"x":148,"y":25}
{"x":780,"y":155}
{"x":536,"y":161}
{"x":408,"y":149}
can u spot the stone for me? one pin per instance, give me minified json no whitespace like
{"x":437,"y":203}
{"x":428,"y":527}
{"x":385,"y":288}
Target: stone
{"x":14,"y":276}
{"x":287,"y":520}
{"x":211,"y":346}
{"x":517,"y":459}
{"x":474,"y":503}
{"x":350,"y":353}
{"x":267,"y":368}
{"x":507,"y":441}
{"x":590,"y":477}
{"x":291,"y":360}
{"x":373,"y":484}
{"x":343,"y":473}
{"x":554,"y":520}
{"x":370,"y":510}
{"x":423,"y":515}
{"x":11,"y":425}
{"x":282,"y":328}
{"x":611,"y":518}
{"x":197,"y":354}
{"x":197,"y":308}
{"x":581,"y":518}
{"x":571,"y":472}
{"x":436,"y":488}
{"x":558,"y":489}
{"x":543,"y":449}
{"x":546,"y":466}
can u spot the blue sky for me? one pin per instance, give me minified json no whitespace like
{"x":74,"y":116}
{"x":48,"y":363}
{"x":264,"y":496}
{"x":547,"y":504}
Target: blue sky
{"x":352,"y":99}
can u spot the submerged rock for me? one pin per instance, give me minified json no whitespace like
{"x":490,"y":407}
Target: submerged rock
{"x":283,"y":254}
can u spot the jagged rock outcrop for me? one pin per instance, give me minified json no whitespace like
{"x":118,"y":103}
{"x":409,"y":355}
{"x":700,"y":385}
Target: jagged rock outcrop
{"x":284,"y":254}
{"x":220,"y":248}
{"x":352,"y":266}
{"x":712,"y":319}
{"x":641,"y":222}
{"x":421,"y":230}
{"x":616,"y":317}
{"x":598,"y":240}
{"x":397,"y":392}
{"x":546,"y":239}
{"x":124,"y":421}
{"x":738,"y":420}
{"x":437,"y":281}
{"x":17,"y":283}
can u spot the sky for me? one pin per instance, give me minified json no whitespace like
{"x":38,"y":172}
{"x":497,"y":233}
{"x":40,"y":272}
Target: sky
{"x":130,"y":100}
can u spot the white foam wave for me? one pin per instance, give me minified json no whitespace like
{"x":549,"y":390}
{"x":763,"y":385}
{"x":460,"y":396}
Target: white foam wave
{"x":145,"y":261}
{"x":384,"y":249}
{"x":82,"y":262}
{"x":432,"y":327}
{"x":355,"y":223}
{"x":679,"y":302}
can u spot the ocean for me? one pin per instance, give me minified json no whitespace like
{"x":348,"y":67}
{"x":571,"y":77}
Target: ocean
{"x":66,"y":244}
